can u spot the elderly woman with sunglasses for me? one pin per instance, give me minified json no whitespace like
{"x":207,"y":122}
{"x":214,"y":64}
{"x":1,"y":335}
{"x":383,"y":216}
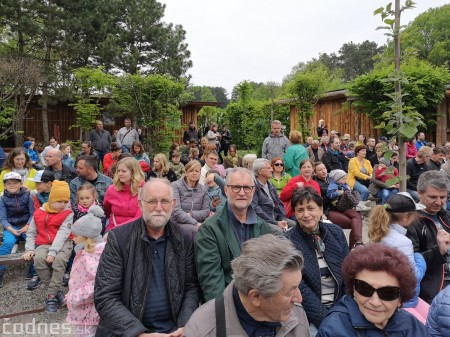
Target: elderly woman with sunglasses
{"x":378,"y":279}
{"x":279,"y":177}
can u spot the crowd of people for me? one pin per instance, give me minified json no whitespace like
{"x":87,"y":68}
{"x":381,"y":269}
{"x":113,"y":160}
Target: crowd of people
{"x":142,"y":243}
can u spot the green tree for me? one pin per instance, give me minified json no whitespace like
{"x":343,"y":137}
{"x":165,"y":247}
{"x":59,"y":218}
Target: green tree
{"x":305,"y":88}
{"x":201,"y":93}
{"x":429,"y":36}
{"x":155,"y":101}
{"x":144,"y":43}
{"x":423,"y":83}
{"x":92,"y":84}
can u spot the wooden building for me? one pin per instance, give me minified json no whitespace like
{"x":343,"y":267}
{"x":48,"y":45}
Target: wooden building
{"x":61,"y":117}
{"x":343,"y":118}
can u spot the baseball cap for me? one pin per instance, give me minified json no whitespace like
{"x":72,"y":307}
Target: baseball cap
{"x":12,"y":176}
{"x":402,"y":202}
{"x":43,"y":176}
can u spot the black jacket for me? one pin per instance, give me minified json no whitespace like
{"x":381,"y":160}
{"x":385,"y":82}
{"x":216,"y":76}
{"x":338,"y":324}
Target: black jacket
{"x":336,"y":249}
{"x":423,"y":234}
{"x":335,"y":161}
{"x":414,"y":170}
{"x":67,"y":173}
{"x":123,"y":278}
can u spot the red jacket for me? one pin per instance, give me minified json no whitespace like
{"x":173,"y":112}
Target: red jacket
{"x":291,"y":186}
{"x":47,"y":225}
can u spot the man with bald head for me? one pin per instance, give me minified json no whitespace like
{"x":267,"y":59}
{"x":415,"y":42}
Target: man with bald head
{"x":146,"y":284}
{"x":54,"y":164}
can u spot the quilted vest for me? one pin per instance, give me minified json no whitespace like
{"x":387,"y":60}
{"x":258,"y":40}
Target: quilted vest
{"x":47,"y":225}
{"x":17,"y":207}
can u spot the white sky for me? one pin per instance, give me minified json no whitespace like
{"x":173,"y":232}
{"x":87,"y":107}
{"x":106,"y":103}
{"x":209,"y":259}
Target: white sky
{"x":261,"y":40}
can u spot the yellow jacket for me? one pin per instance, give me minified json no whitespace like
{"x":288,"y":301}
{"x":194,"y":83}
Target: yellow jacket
{"x":354,"y":171}
{"x":30,"y":184}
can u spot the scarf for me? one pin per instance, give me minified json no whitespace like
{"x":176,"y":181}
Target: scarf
{"x":48,"y":209}
{"x":233,"y":160}
{"x":319,"y":246}
{"x":23,"y":173}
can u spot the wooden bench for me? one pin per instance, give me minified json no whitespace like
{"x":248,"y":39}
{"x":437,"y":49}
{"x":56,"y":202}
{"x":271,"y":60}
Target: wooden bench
{"x":12,"y":259}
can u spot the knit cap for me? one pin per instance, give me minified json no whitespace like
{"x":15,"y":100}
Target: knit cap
{"x":337,"y":174}
{"x":27,"y":144}
{"x":384,"y":161}
{"x":90,"y":225}
{"x":60,"y":191}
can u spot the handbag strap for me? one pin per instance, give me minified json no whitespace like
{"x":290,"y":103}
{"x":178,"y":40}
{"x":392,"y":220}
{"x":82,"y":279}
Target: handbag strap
{"x":220,"y":317}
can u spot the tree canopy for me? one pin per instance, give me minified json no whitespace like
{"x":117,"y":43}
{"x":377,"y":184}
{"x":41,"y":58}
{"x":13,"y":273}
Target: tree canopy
{"x":429,"y":36}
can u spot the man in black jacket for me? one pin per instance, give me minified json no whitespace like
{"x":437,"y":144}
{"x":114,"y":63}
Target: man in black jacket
{"x":146,"y":280}
{"x":430,"y":233}
{"x":415,"y":167}
{"x":55,"y":165}
{"x":334,"y":158}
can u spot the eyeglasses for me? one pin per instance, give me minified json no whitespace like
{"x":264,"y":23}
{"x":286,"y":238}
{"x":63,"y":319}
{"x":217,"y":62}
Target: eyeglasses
{"x":154,"y":202}
{"x":389,"y":293}
{"x":237,"y":188}
{"x":278,"y":164}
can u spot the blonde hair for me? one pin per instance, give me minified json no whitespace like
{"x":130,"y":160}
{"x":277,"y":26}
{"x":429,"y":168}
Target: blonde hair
{"x":192,"y":165}
{"x":137,"y":176}
{"x":295,"y":137}
{"x":247,"y":161}
{"x":89,"y":245}
{"x":87,"y":187}
{"x":164,"y":163}
{"x":380,"y":220}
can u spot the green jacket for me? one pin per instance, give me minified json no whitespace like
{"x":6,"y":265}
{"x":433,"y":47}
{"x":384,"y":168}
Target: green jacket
{"x":216,"y":248}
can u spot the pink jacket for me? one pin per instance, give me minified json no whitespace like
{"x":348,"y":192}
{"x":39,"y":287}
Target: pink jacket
{"x":80,"y":298}
{"x":120,"y":206}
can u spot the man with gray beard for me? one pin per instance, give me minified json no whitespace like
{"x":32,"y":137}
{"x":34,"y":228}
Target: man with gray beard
{"x":146,"y":283}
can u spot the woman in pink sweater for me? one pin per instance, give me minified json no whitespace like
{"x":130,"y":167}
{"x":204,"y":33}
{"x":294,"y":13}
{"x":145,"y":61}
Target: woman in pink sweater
{"x":121,"y":198}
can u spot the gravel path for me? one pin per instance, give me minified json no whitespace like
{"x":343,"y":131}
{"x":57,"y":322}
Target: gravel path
{"x":14,"y":297}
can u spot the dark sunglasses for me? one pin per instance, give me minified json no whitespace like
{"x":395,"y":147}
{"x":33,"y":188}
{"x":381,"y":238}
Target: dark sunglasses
{"x":389,"y":293}
{"x":278,"y":164}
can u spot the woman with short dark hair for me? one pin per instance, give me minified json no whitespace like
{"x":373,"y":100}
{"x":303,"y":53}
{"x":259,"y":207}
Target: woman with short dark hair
{"x":324,"y":248}
{"x":378,"y":279}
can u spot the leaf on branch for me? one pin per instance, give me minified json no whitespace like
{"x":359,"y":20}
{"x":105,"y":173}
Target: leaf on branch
{"x":408,"y":131}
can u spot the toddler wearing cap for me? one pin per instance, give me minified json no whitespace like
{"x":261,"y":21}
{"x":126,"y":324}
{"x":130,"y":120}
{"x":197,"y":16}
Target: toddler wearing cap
{"x":48,"y":242}
{"x":16,"y":212}
{"x":89,"y":247}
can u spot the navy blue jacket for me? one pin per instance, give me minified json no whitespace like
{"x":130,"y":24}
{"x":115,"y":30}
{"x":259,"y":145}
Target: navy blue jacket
{"x":269,"y":211}
{"x":16,"y":209}
{"x":336,"y":249}
{"x":438,"y":321}
{"x":345,"y":320}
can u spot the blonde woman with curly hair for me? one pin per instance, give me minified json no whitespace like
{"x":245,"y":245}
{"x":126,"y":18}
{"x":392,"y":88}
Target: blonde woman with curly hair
{"x":161,"y":168}
{"x":121,"y":198}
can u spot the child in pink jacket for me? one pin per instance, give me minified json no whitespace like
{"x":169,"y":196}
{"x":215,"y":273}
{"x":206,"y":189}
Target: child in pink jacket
{"x":89,"y":248}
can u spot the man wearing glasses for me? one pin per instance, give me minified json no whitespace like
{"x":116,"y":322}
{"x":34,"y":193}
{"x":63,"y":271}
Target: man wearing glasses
{"x":220,"y":238}
{"x":146,"y":281}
